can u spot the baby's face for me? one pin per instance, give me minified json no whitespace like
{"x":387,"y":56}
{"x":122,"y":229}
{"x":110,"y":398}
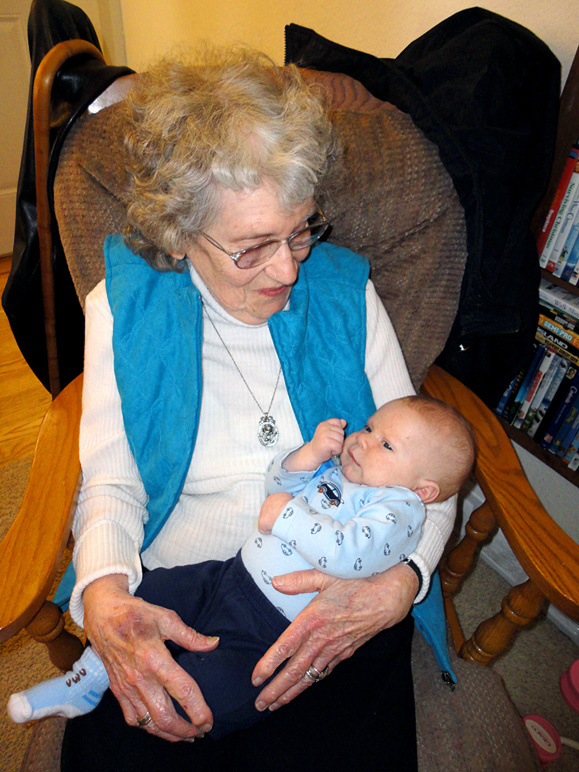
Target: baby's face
{"x":392,"y":449}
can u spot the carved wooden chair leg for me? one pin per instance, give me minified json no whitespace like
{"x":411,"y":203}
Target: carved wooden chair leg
{"x":458,"y":564}
{"x":521,"y":605}
{"x":48,"y":627}
{"x":459,"y":560}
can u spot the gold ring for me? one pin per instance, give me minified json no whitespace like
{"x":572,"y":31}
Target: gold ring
{"x":142,"y":722}
{"x":316,"y":675}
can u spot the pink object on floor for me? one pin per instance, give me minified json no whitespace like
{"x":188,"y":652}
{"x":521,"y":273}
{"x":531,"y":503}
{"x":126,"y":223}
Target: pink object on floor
{"x":569,"y":684}
{"x":545,"y":738}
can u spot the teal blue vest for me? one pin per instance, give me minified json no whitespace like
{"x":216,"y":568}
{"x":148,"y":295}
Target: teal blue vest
{"x":157,"y":342}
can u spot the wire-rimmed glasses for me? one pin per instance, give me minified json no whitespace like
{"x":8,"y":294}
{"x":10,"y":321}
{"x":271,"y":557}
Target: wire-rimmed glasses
{"x":299,"y":243}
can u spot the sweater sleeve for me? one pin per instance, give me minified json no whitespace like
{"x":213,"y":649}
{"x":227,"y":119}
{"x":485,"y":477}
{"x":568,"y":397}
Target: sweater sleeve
{"x":383,"y":532}
{"x":278,"y":479}
{"x":389,"y":379}
{"x":109,"y":522}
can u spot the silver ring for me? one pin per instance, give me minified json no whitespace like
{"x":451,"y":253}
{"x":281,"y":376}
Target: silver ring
{"x":142,"y":722}
{"x":316,"y":675}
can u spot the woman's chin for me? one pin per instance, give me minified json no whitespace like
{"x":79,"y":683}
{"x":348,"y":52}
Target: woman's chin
{"x":272,"y":304}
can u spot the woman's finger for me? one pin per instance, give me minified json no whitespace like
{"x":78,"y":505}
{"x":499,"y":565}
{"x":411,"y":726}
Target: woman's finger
{"x":143,"y":674}
{"x":184,"y":690}
{"x":281,"y":690}
{"x":291,"y":640}
{"x":301,"y":629}
{"x":288,"y":684}
{"x":134,"y":709}
{"x":152,"y":686}
{"x":150,"y":696}
{"x":316,"y":672}
{"x":307,"y":581}
{"x":314,"y":654}
{"x":341,"y":618}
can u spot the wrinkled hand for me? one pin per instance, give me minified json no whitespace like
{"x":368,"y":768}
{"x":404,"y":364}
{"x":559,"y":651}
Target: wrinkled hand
{"x":128,"y":634}
{"x":271,"y":509}
{"x":342,"y":617}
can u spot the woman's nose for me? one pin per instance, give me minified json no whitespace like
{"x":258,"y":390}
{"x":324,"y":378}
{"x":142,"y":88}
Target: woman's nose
{"x":283,"y":266}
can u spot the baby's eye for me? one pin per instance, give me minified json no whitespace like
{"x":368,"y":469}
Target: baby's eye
{"x":387,"y":445}
{"x":367,"y":429}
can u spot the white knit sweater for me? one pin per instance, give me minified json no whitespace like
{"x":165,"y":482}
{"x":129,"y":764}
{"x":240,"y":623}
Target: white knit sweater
{"x":224,"y":488}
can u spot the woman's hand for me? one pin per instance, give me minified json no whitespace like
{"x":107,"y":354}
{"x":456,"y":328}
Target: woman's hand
{"x":128,"y":635}
{"x":271,"y":509}
{"x":342,"y":617}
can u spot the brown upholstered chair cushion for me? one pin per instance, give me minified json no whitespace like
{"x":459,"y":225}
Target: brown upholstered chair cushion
{"x":475,"y":728}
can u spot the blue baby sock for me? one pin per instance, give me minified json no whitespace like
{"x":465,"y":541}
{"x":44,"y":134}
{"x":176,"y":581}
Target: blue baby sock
{"x":77,"y":692}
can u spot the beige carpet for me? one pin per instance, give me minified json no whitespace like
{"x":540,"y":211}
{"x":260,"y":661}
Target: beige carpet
{"x":531,"y":669}
{"x":23,"y":662}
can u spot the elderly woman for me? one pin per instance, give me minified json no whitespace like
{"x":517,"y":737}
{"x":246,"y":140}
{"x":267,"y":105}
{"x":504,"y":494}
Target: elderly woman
{"x":223,"y":333}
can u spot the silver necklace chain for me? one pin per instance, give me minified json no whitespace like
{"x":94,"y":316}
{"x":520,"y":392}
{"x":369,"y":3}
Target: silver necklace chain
{"x":267,"y":432}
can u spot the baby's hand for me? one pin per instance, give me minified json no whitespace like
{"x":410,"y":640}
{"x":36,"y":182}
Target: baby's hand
{"x":271,"y":509}
{"x":328,"y":440}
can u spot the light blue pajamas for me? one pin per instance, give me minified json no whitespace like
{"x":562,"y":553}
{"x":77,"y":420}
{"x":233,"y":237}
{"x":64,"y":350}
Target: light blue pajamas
{"x":344,"y":529}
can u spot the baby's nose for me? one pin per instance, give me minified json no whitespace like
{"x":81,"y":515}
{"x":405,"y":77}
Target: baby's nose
{"x":363,"y":439}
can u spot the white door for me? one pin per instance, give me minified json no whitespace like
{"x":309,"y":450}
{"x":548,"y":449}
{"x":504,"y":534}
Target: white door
{"x":14,"y":82}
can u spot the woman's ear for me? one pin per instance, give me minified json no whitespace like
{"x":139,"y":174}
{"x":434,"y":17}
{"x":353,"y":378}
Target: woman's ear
{"x":428,"y":490}
{"x":178,"y":255}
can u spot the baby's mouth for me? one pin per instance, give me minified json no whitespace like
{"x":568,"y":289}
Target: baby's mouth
{"x":352,"y":457}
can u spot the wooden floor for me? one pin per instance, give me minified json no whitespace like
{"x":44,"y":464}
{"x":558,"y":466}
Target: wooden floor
{"x":23,"y":399}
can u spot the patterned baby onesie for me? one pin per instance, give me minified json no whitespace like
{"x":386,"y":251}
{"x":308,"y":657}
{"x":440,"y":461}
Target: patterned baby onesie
{"x":344,"y":529}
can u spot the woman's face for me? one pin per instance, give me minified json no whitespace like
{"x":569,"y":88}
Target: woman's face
{"x":249,"y":218}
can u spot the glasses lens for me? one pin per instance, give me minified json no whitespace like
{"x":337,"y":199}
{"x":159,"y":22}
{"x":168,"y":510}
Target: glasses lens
{"x":299,"y":242}
{"x":308,"y":236}
{"x":257,"y":255}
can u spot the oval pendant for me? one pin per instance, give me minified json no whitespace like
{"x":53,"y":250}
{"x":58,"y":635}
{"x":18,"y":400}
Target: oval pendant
{"x":268,"y":432}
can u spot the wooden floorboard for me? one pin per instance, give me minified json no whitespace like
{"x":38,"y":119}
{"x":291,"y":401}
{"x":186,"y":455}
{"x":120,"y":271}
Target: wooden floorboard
{"x":23,"y":399}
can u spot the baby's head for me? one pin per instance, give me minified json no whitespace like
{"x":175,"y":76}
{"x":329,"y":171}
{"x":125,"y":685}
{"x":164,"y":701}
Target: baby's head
{"x":418,"y":442}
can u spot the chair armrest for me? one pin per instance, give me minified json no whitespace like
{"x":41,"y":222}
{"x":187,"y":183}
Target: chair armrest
{"x":31,"y":551}
{"x":547,"y":554}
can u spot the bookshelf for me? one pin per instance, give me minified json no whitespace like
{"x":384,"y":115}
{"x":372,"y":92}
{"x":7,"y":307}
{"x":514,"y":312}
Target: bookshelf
{"x":567,"y":134}
{"x":572,"y":289}
{"x":543,"y":455}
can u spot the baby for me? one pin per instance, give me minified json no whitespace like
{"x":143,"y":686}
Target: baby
{"x":350,"y":519}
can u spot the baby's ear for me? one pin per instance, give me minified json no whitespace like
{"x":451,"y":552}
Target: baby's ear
{"x":428,"y":490}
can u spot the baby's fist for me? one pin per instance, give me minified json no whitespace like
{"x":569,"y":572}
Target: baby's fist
{"x":328,"y":439}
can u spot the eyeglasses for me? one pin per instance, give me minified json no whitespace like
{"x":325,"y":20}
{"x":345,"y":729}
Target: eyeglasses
{"x":300,"y":241}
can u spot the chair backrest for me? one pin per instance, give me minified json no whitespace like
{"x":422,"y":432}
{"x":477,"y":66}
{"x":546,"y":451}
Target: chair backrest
{"x":390,"y":199}
{"x":43,"y":83}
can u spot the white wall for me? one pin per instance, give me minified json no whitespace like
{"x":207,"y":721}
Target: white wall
{"x":107,"y":20}
{"x":379,"y":27}
{"x":559,"y":497}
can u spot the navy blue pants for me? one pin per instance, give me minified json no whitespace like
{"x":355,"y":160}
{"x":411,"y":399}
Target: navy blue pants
{"x":219,"y":598}
{"x":360,"y":717}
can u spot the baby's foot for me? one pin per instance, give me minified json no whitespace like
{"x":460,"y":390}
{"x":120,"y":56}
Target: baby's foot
{"x":77,"y":692}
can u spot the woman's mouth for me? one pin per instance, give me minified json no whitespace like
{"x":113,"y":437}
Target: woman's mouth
{"x":274,"y":292}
